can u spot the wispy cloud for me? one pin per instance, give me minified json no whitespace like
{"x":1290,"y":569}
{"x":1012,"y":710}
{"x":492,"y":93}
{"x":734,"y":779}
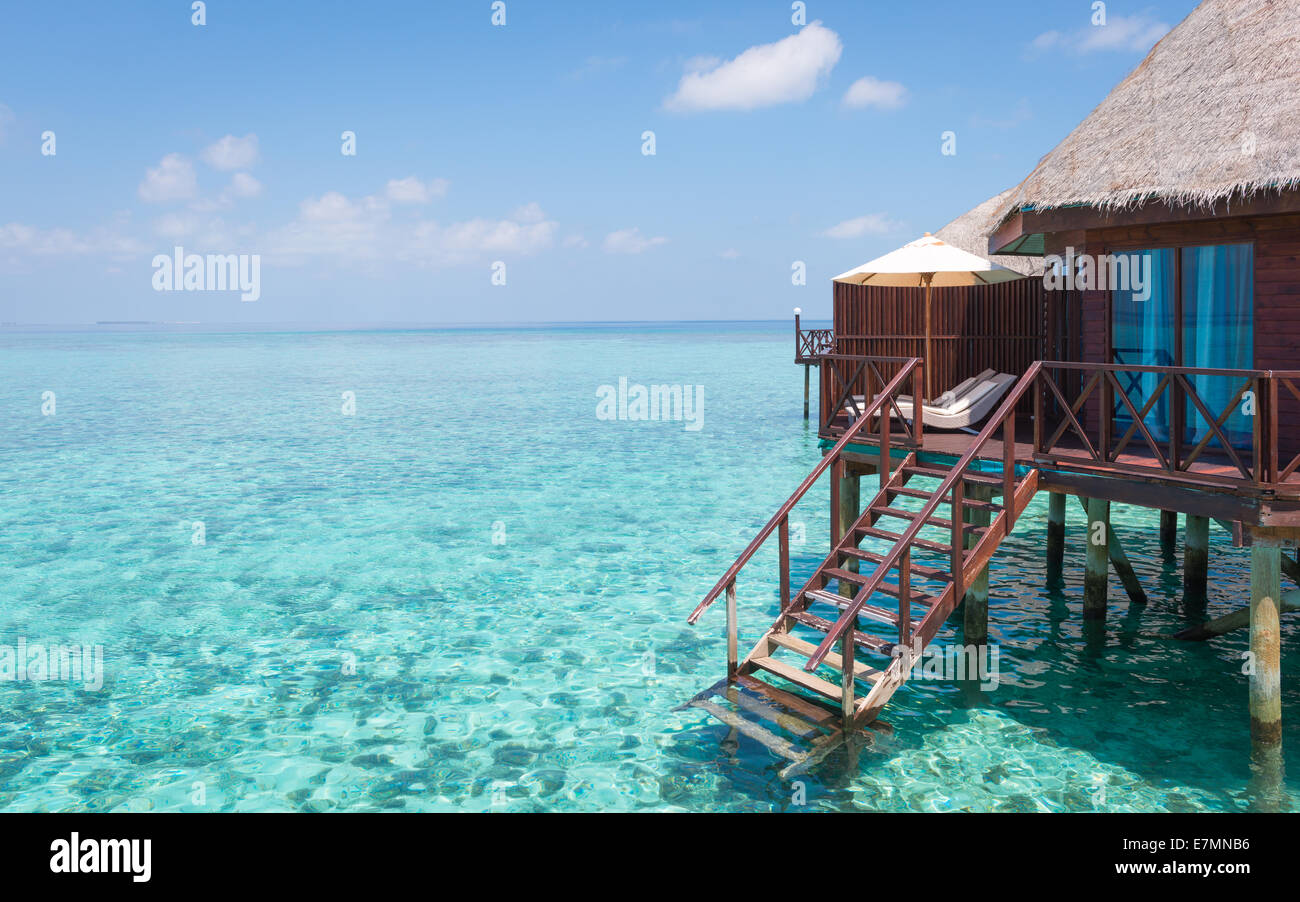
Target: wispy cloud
{"x":1137,"y":33}
{"x":871,"y":224}
{"x":786,"y":71}
{"x":171,"y":180}
{"x":630,"y":241}
{"x":231,"y":153}
{"x":338,"y":228}
{"x":872,"y":92}
{"x":412,"y":190}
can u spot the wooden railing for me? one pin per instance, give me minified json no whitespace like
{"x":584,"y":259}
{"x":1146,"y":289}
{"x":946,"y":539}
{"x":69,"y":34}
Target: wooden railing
{"x":810,"y":344}
{"x":1112,"y":402}
{"x":899,"y":556}
{"x":849,"y":380}
{"x":780,"y":521}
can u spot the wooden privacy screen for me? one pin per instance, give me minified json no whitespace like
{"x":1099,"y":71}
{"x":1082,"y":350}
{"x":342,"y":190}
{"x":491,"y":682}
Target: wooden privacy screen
{"x":1002,"y":327}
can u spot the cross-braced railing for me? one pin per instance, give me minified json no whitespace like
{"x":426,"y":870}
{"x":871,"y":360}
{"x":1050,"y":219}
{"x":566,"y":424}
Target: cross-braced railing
{"x":1108,"y":424}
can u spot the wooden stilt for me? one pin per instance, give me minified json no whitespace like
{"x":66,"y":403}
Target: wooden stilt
{"x":849,"y":509}
{"x":1055,"y":538}
{"x":1169,"y":533}
{"x":1196,"y":560}
{"x":1096,"y":575}
{"x":1119,"y":560}
{"x":975,"y":626}
{"x":1265,"y":649}
{"x":806,"y":368}
{"x":732,"y":634}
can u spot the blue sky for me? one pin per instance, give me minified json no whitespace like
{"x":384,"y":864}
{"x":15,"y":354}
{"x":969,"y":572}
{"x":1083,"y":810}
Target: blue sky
{"x":519,"y":144}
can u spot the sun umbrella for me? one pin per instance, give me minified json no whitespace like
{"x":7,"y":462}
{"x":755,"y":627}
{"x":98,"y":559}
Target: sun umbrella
{"x":932,"y":263}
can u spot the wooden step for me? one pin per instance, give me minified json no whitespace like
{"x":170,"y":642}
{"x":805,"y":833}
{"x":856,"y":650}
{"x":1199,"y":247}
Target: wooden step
{"x":888,"y":536}
{"x":940,"y":522}
{"x":872,"y":644}
{"x":940,"y":473}
{"x":921,"y":570}
{"x":972,"y":503}
{"x":870,"y":611}
{"x":860,"y":670}
{"x":799,"y":677}
{"x":805,"y":709}
{"x":782,"y":747}
{"x":884,"y":586}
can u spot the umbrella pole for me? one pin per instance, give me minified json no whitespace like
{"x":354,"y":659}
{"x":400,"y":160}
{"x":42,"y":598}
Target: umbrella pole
{"x":929,"y":387}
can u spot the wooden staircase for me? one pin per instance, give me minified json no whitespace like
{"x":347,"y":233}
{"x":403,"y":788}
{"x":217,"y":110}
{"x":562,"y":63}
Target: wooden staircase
{"x":846,"y":642}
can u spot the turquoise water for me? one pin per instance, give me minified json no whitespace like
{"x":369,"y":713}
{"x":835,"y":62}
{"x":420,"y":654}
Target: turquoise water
{"x":471,"y":593}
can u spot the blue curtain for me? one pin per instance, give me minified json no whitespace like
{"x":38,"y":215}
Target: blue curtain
{"x":1143,"y":335}
{"x":1218,"y":332}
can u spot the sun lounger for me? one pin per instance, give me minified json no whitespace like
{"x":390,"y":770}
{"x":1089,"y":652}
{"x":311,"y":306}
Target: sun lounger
{"x":963,"y":406}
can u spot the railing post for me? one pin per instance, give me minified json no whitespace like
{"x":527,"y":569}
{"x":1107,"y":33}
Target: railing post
{"x":1038,"y":412}
{"x":958,"y":539}
{"x":846,"y":678}
{"x":783,"y":538}
{"x":918,"y":408}
{"x":1273,"y":448}
{"x":905,"y":597}
{"x":883,"y":469}
{"x":1009,"y":468}
{"x":1107,"y":415}
{"x":837,"y":472}
{"x":732,"y":657}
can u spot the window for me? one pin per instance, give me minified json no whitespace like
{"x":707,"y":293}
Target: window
{"x":1196,"y":311}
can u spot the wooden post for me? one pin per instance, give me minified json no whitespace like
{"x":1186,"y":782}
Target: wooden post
{"x":975,"y":628}
{"x":1119,"y":560}
{"x":1055,"y":538}
{"x":850,"y":502}
{"x":846,"y":678}
{"x":732,"y":657}
{"x":1168,"y":533}
{"x":1196,"y":560}
{"x":1097,"y":573}
{"x":1266,"y":650}
{"x":783,"y":539}
{"x":806,"y":368}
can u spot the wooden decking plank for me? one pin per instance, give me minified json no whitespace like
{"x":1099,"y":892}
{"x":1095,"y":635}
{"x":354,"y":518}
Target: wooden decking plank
{"x":794,"y":643}
{"x":870,"y":611}
{"x":873,"y":644}
{"x":808,"y":710}
{"x":782,"y":747}
{"x":799,"y":677}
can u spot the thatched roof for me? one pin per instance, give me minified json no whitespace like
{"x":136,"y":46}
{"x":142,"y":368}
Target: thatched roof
{"x":1212,"y":114}
{"x":970,"y":232}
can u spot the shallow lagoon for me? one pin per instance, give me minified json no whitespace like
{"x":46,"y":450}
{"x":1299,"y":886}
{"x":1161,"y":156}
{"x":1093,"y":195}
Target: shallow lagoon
{"x":471,"y":594}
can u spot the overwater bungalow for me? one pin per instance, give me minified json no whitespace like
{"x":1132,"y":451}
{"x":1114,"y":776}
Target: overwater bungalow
{"x":1152,"y":345}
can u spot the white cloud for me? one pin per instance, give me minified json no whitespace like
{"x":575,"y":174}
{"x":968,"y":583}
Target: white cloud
{"x":575,"y":241}
{"x":871,"y":224}
{"x":336,"y":227}
{"x":244,"y":185}
{"x":231,"y":153}
{"x":765,"y":75}
{"x":411,"y":190}
{"x":872,"y":92}
{"x":1131,"y":33}
{"x":172,"y":179}
{"x":730,"y":254}
{"x":630,"y":241}
{"x":30,"y":241}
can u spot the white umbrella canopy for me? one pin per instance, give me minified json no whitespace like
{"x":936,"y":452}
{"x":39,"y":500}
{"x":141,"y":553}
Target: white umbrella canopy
{"x":928,"y":262}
